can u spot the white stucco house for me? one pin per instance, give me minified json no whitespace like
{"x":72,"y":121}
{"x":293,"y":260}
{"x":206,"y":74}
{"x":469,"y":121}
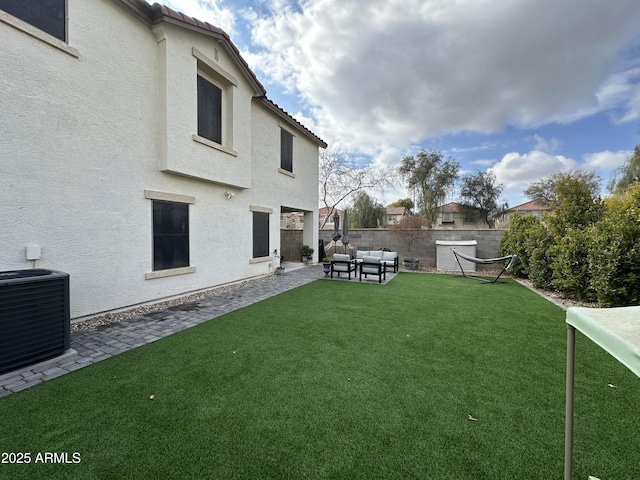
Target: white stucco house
{"x":140,"y":154}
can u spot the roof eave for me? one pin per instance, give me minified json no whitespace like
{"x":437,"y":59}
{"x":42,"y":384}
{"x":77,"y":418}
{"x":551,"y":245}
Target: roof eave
{"x":269,"y":105}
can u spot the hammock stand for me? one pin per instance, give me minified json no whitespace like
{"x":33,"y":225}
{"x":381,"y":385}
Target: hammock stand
{"x":506,"y":261}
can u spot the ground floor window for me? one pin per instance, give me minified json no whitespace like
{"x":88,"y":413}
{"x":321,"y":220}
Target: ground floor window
{"x":260,"y":234}
{"x":170,"y":235}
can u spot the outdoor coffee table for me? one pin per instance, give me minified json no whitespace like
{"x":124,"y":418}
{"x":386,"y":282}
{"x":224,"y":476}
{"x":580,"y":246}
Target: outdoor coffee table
{"x":617,"y":331}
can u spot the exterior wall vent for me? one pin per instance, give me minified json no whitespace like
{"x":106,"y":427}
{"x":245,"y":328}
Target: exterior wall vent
{"x":34,"y":316}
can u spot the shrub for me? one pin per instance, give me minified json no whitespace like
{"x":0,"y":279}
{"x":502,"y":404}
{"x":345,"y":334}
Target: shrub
{"x":540,"y":249}
{"x":515,"y":240}
{"x":615,"y":256}
{"x":571,"y":272}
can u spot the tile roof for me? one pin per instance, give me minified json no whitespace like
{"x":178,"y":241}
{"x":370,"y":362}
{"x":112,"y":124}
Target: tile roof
{"x":531,"y":206}
{"x":324,"y":210}
{"x":396,"y":210}
{"x":451,"y":207}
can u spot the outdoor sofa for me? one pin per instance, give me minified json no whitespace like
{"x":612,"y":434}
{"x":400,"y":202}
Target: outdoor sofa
{"x":388,"y":259}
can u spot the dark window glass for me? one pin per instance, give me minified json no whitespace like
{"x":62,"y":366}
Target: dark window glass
{"x":170,"y":235}
{"x":286,"y":150}
{"x":260,"y":234}
{"x":47,"y":15}
{"x":209,"y":111}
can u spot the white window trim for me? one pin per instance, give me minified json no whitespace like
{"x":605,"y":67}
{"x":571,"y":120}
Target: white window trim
{"x":171,"y":272}
{"x":38,"y":34}
{"x":212,"y":144}
{"x":256,"y":208}
{"x":286,"y":172}
{"x":168,"y":197}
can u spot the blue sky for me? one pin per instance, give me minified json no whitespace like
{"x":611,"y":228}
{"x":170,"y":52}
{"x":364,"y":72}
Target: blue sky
{"x":524,"y":88}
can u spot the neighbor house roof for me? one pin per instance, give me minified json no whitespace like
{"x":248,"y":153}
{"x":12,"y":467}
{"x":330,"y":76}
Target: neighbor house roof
{"x":531,"y":206}
{"x":330,"y":211}
{"x":156,"y":13}
{"x":451,"y":207}
{"x":396,"y":210}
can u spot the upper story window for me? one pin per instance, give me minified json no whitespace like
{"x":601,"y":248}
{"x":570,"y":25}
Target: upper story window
{"x":215,"y":104}
{"x":47,"y":15}
{"x":286,"y":150}
{"x":209,"y":110}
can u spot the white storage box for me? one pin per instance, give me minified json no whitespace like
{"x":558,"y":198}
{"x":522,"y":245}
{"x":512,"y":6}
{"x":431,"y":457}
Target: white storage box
{"x":446,"y":260}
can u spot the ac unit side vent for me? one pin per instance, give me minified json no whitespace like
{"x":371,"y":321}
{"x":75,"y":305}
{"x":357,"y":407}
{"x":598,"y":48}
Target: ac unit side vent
{"x":34,"y":317}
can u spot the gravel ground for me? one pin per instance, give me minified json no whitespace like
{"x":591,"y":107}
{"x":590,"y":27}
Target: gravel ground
{"x":119,"y":316}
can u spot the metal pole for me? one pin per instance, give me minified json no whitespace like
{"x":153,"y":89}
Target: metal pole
{"x":568,"y":425}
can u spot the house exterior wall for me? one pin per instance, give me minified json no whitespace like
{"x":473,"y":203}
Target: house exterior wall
{"x":457,"y":221}
{"x":87,"y":139}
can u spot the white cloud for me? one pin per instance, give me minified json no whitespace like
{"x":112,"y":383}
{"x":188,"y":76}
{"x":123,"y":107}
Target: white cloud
{"x":606,"y":160}
{"x":392,"y":72}
{"x":517,"y":171}
{"x":545,"y":145}
{"x":212,"y":11}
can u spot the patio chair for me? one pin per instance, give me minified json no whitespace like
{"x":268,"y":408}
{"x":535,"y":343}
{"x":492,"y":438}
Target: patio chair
{"x":342,"y":263}
{"x":484,"y":261}
{"x":373,"y":266}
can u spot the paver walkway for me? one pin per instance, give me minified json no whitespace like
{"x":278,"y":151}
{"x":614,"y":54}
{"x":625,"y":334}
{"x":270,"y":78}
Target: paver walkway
{"x":96,"y":344}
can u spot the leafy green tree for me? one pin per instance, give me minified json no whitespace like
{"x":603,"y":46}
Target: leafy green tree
{"x":403,"y":202}
{"x":480,"y":192}
{"x":627,"y":174}
{"x":547,"y":188}
{"x":577,"y":203}
{"x":366,"y":213}
{"x":431,"y":177}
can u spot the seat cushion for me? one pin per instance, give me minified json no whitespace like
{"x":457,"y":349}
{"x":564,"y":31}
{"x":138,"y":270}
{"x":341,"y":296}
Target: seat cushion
{"x":360,"y":254}
{"x":389,"y":256}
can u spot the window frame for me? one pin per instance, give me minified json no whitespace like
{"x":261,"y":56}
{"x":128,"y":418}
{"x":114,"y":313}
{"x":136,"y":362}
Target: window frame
{"x":206,"y":88}
{"x":213,"y":73}
{"x":286,"y":150}
{"x":42,"y":35}
{"x":43,"y":27}
{"x":257,"y":213}
{"x":169,"y":198}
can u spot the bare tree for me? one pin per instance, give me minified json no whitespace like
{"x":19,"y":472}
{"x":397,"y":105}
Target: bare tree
{"x":341,"y":177}
{"x":410,"y":229}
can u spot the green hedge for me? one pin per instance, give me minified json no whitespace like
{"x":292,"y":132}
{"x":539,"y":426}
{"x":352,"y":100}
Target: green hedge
{"x":615,"y":256}
{"x":591,"y":259}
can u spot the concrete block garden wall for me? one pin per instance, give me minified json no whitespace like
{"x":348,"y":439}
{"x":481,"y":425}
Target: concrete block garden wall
{"x":376,"y":238}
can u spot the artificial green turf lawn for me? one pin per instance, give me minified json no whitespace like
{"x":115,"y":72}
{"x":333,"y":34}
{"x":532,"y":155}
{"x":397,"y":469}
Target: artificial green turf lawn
{"x":342,"y":380}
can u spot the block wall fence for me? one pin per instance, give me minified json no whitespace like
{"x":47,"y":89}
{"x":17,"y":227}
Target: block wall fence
{"x":376,"y":238}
